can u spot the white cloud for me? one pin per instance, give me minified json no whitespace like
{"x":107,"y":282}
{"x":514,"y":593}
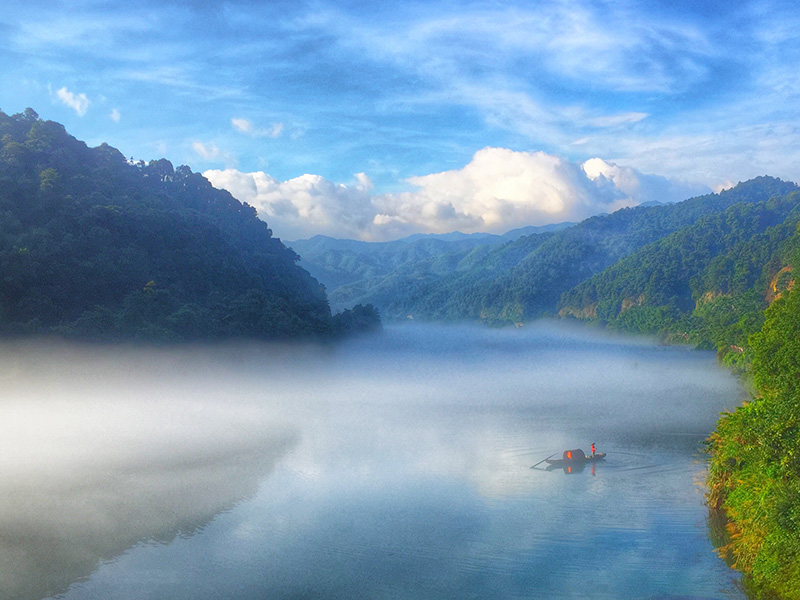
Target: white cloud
{"x":498,"y":190}
{"x":245,"y":126}
{"x":616,"y":120}
{"x":206,"y":151}
{"x":609,"y":46}
{"x":78,"y":102}
{"x":303,"y":206}
{"x":115,"y":116}
{"x":640,"y":186}
{"x":274,"y":131}
{"x":501,"y":189}
{"x":242,"y":125}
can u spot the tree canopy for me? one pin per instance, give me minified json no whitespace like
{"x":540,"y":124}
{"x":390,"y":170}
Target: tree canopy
{"x":96,"y":246}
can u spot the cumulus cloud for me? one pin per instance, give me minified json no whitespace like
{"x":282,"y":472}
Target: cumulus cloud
{"x":78,"y":102}
{"x":501,"y":189}
{"x":498,"y":190}
{"x":115,"y":116}
{"x":640,"y":186}
{"x":303,"y":206}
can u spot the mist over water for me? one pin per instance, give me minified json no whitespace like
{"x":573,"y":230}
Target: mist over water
{"x":391,"y":466}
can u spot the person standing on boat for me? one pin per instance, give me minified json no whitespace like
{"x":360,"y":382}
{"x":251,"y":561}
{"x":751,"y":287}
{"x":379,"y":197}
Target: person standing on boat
{"x":592,"y":449}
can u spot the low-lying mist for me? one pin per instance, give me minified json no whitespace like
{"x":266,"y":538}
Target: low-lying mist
{"x":104,"y":447}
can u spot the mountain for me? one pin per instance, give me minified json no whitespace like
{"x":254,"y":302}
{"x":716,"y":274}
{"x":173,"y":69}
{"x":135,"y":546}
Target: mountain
{"x":487,"y":238}
{"x":94,"y":246}
{"x":699,"y":282}
{"x":337,"y":263}
{"x":515,"y":234}
{"x":482,"y":280}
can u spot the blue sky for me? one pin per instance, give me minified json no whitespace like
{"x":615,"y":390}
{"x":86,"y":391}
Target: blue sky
{"x":374,"y":120}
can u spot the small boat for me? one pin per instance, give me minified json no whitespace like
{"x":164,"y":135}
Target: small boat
{"x":574,"y":457}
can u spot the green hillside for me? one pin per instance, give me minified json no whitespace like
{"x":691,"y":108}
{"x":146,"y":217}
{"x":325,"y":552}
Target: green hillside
{"x":93,"y":246}
{"x":705,"y":284}
{"x":754,"y":475}
{"x":516,"y":280}
{"x":337,"y":263}
{"x":397,"y":273}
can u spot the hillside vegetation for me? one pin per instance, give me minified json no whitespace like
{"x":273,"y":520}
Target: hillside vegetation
{"x":755,"y":466}
{"x":707,"y":284}
{"x":93,"y":246}
{"x":513,"y":281}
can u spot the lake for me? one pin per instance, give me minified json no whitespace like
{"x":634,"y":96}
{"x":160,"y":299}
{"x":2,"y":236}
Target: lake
{"x":396,"y":465}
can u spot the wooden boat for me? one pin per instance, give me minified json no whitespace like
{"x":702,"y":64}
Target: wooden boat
{"x":575,"y":457}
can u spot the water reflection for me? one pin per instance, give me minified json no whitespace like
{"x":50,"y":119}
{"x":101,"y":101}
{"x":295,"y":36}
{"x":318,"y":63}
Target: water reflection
{"x":572,"y":469}
{"x":89,"y":469}
{"x":394,"y":466}
{"x":55,"y":532}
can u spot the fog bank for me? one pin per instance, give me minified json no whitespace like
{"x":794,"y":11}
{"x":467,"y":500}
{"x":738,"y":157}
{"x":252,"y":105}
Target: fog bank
{"x":108,"y":447}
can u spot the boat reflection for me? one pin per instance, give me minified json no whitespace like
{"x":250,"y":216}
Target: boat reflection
{"x":572,"y":469}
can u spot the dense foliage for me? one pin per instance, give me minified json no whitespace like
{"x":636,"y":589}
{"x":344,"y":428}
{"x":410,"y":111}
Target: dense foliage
{"x":95,"y":246}
{"x":706,"y":284}
{"x":400,"y":275}
{"x":513,"y":281}
{"x":755,"y":466}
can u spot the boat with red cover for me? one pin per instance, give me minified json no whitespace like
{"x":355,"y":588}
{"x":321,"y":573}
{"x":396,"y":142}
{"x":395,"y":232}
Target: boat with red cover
{"x":575,"y":457}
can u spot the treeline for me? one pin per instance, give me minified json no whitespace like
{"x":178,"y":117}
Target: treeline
{"x":95,"y":246}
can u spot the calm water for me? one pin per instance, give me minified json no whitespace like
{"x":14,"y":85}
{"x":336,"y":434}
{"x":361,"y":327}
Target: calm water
{"x":395,"y":466}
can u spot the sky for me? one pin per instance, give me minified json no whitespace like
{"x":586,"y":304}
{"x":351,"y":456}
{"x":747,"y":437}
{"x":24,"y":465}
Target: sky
{"x":375,"y":120}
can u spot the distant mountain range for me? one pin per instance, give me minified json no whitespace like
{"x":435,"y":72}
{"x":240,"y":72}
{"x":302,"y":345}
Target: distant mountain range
{"x":495,"y":279}
{"x":486,"y":238}
{"x":338,"y":262}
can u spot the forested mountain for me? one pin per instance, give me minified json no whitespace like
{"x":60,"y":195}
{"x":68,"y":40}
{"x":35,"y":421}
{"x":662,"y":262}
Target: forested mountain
{"x":340,"y":262}
{"x":94,"y":246}
{"x":755,"y":452}
{"x":706,"y":284}
{"x":514,"y":281}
